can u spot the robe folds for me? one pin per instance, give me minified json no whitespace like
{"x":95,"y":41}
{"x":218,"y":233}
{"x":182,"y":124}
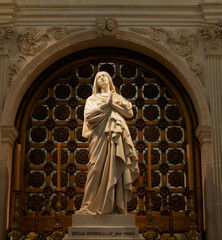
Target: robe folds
{"x":113,"y":162}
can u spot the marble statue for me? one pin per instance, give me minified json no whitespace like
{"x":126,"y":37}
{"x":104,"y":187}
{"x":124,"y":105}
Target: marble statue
{"x":113,"y":162}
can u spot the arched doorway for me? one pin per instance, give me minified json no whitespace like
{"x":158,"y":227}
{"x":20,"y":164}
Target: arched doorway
{"x":52,"y":112}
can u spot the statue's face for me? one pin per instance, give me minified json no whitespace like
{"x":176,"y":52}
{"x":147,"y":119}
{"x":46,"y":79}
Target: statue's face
{"x":102,"y":80}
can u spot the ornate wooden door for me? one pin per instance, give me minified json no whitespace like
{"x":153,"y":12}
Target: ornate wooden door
{"x":52,"y":112}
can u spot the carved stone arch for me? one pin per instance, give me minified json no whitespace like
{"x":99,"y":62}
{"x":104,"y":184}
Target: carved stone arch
{"x":88,"y":39}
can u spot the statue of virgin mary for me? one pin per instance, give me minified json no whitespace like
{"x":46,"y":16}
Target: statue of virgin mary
{"x":113,"y":162}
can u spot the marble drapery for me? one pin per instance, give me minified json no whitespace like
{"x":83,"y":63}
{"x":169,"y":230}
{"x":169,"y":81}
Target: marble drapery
{"x":113,"y":164}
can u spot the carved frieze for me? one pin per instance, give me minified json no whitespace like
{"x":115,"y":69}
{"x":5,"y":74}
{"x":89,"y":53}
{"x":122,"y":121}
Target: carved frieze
{"x":106,"y":27}
{"x":212,"y":35}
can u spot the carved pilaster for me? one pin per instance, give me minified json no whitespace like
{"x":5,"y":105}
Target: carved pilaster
{"x":6,"y":33}
{"x":212,"y":36}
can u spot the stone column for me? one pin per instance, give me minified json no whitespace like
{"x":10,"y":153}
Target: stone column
{"x":212,"y":35}
{"x":9,"y":134}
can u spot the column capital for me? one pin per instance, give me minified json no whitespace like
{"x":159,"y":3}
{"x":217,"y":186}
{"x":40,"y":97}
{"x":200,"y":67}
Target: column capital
{"x":9,"y":133}
{"x":203,"y":133}
{"x":212,"y":36}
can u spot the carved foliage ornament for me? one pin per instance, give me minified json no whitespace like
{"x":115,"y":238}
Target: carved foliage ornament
{"x":182,"y":42}
{"x":213,"y":37}
{"x":5,"y":34}
{"x":60,"y":32}
{"x":106,"y":27}
{"x":32,"y":41}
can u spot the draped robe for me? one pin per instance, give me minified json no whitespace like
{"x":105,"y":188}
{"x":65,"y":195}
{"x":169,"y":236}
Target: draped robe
{"x":113,"y":162}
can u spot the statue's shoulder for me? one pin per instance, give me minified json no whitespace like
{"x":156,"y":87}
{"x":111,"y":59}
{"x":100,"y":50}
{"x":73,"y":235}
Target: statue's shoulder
{"x":90,"y":98}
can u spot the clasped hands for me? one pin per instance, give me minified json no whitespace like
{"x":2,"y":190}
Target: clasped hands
{"x":109,"y":101}
{"x":128,"y":113}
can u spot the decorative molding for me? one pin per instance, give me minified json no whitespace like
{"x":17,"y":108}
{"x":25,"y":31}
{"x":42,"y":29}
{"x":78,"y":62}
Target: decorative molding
{"x":60,"y":32}
{"x":32,"y":41}
{"x":197,"y":68}
{"x":9,"y":134}
{"x":155,"y":33}
{"x":106,"y":27}
{"x":181,"y":41}
{"x":204,"y":134}
{"x":212,"y":35}
{"x":6,"y":33}
{"x":15,"y":68}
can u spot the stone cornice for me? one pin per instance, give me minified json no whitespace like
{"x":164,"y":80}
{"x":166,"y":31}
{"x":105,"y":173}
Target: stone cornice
{"x":9,"y":134}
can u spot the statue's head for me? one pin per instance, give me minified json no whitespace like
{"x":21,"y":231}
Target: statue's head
{"x":106,"y":80}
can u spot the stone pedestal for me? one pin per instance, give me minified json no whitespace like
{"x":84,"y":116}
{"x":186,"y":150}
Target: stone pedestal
{"x":110,"y":226}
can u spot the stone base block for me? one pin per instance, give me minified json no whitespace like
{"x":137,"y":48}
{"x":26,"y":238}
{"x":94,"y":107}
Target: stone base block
{"x":98,"y":227}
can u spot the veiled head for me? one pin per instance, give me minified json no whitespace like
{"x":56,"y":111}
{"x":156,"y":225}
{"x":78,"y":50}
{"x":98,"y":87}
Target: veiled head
{"x":96,"y":88}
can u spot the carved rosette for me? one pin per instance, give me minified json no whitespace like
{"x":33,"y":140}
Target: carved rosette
{"x":177,"y":202}
{"x":107,"y":68}
{"x":37,"y":156}
{"x":82,"y":156}
{"x":40,"y":112}
{"x":80,"y":179}
{"x":36,"y":179}
{"x":63,"y":179}
{"x":132,"y":204}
